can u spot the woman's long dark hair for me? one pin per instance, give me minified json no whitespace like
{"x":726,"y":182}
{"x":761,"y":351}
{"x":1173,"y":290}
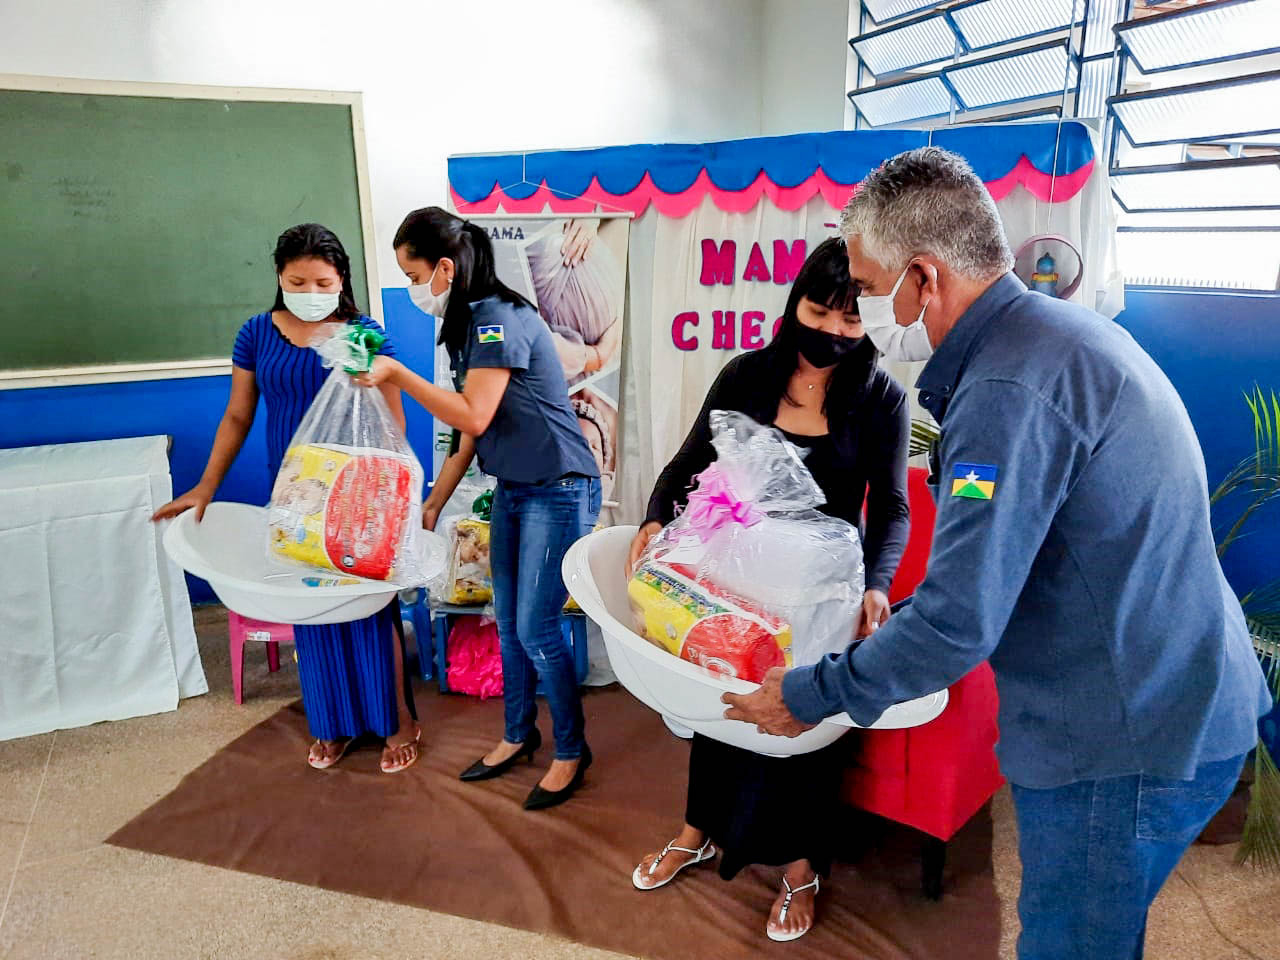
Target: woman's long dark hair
{"x":312,"y":240}
{"x":432,"y":233}
{"x":824,"y":279}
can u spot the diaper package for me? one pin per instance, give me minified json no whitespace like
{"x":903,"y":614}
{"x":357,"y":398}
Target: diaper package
{"x":699,"y":622}
{"x":468,"y":579}
{"x":348,"y":496}
{"x":751,"y":575}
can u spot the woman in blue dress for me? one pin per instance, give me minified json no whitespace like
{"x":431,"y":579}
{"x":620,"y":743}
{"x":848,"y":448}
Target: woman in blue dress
{"x":352,"y":674}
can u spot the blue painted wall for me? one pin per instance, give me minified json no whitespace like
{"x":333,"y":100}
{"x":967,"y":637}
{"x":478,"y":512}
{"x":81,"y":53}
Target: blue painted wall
{"x":189,"y":411}
{"x":1214,"y":347}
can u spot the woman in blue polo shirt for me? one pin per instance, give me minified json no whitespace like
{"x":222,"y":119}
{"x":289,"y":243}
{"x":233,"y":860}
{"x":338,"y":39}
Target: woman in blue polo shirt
{"x":512,"y":409}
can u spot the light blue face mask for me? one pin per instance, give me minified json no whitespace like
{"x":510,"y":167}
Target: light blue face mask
{"x":311,"y":307}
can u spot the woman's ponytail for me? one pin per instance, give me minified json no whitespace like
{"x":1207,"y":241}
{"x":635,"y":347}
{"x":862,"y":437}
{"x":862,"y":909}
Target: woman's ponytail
{"x":482,"y":259}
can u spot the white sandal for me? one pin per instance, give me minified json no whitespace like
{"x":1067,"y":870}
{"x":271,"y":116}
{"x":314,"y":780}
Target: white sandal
{"x":401,"y":767}
{"x":813,"y":885}
{"x":701,"y":855}
{"x":326,"y":763}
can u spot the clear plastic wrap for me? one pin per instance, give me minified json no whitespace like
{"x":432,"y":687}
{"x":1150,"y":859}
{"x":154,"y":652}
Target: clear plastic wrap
{"x":348,"y":496}
{"x":469,"y":491}
{"x":468,"y":579}
{"x":751,"y":575}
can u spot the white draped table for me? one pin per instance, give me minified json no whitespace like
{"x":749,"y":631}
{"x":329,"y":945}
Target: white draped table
{"x":95,"y":620}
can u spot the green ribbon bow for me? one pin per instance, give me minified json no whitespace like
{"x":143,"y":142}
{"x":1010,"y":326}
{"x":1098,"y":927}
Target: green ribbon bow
{"x":483,"y":506}
{"x":364,"y":344}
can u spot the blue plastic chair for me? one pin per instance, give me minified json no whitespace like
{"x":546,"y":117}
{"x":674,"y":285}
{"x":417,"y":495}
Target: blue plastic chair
{"x":418,"y":614}
{"x":573,"y":625}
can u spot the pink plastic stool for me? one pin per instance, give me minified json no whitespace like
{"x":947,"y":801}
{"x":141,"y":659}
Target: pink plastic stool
{"x":242,"y":629}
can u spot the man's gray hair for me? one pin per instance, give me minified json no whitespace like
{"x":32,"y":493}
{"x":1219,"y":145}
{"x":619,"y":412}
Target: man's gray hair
{"x":929,"y":200}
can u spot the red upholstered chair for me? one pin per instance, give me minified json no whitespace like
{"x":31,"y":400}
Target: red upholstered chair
{"x":936,"y":776}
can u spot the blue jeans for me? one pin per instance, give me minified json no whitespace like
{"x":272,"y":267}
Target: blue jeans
{"x":533,"y":527}
{"x":1095,"y":853}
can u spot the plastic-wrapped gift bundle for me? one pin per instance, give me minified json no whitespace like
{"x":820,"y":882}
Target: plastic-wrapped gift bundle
{"x":751,"y":576}
{"x":348,"y":497}
{"x":468,"y":580}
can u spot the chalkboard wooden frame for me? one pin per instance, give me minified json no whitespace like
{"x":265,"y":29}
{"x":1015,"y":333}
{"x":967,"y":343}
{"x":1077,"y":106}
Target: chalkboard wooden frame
{"x":180,"y":369}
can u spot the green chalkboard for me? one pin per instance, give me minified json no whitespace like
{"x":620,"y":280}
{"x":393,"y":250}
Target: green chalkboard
{"x":139,"y":229}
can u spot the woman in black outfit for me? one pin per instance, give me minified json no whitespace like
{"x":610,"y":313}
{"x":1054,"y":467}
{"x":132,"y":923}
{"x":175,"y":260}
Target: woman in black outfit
{"x":820,"y":385}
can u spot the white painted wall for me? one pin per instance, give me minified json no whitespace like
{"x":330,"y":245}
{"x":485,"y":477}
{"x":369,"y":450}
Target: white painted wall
{"x":438,"y":76}
{"x":805,"y":55}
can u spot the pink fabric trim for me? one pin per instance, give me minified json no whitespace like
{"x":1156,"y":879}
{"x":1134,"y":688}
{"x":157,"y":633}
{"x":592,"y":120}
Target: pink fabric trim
{"x":1039,"y":183}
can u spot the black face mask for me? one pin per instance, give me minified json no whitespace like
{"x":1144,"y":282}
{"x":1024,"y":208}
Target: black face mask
{"x":824,"y":349}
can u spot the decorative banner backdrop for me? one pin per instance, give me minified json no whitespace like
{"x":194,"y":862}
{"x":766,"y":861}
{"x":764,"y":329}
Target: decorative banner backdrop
{"x":575,"y":271}
{"x":722,"y":228}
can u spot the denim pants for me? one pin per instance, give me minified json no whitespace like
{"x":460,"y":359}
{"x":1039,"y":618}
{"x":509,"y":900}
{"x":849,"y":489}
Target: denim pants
{"x":1095,"y":853}
{"x":533,"y":527}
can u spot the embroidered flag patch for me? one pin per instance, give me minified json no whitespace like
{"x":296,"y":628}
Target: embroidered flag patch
{"x":977,"y":481}
{"x":490,"y":334}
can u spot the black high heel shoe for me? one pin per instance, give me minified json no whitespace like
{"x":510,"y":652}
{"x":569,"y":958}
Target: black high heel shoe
{"x":540,"y":799}
{"x":482,"y":771}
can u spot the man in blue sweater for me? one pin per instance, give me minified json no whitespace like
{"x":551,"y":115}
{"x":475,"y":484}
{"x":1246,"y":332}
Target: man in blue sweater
{"x":1072,"y":549}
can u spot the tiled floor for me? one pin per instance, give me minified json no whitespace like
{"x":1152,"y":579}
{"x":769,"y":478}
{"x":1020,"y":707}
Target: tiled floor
{"x":65,"y":895}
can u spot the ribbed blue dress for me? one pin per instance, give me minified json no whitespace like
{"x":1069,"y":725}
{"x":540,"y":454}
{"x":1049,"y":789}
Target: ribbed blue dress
{"x":346,"y":669}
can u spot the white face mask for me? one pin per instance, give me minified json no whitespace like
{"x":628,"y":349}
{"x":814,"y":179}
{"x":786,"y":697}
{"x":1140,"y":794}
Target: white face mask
{"x":428,"y":302}
{"x":896,"y":342}
{"x":311,"y":307}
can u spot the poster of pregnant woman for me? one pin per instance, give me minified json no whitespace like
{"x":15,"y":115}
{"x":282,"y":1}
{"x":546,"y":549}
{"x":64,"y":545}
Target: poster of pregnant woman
{"x":574,"y":270}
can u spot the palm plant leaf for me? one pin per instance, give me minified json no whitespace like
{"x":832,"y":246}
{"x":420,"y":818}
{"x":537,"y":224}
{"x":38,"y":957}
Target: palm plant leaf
{"x":1265,"y":628}
{"x":1266,"y":640}
{"x":1246,"y":475}
{"x":1260,"y":844}
{"x":1259,"y":500}
{"x":1259,"y":473}
{"x":1258,"y":477}
{"x":924,"y":434}
{"x":1266,"y":423}
{"x":1262,"y":599}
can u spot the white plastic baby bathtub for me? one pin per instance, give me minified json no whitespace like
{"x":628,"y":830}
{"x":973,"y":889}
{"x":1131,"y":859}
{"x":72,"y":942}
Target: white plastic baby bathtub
{"x":594,"y":571}
{"x":229,"y":549}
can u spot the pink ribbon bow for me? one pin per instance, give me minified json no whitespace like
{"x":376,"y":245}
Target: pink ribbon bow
{"x":714,"y":505}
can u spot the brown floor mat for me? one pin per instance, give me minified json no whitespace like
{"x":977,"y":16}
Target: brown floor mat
{"x":426,"y":839}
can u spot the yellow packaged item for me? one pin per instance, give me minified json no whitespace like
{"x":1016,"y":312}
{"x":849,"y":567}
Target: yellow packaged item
{"x":341,"y":509}
{"x":697,"y":621}
{"x":302,"y":487}
{"x":470,"y":577}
